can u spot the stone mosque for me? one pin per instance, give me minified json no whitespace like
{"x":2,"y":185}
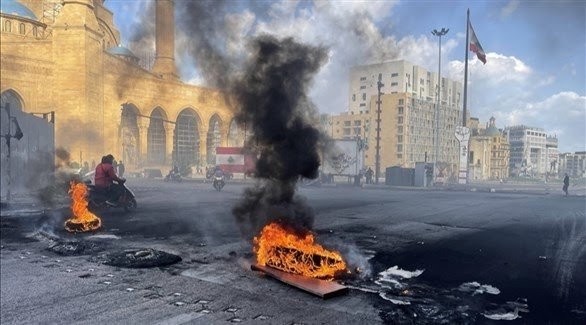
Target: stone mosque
{"x":64,"y":56}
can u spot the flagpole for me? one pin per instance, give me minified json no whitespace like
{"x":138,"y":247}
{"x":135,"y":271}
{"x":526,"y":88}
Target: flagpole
{"x":465,"y":104}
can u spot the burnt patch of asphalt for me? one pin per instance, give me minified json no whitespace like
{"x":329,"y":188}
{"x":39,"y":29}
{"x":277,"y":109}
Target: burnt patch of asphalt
{"x":476,"y":278}
{"x":67,"y":247}
{"x":137,"y":258}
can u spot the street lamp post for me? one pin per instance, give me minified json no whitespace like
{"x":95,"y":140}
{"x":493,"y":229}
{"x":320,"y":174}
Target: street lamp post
{"x":439,"y":34}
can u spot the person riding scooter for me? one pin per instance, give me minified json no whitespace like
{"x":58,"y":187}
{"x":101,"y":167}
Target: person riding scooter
{"x":218,"y":178}
{"x":106,"y":180}
{"x":173,"y":175}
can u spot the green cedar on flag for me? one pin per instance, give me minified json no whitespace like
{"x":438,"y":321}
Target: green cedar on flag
{"x":475,"y":45}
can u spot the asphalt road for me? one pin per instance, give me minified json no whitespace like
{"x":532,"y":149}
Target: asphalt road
{"x":426,"y":257}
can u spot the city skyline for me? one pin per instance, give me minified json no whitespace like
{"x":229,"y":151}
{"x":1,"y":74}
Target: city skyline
{"x":534,"y":74}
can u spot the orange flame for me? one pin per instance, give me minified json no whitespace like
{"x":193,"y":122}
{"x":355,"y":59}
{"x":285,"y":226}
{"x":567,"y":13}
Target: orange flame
{"x":283,"y":249}
{"x":83,"y":220}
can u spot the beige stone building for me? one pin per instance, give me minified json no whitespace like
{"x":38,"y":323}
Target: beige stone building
{"x":64,"y":56}
{"x":406,"y":132}
{"x":488,"y":152}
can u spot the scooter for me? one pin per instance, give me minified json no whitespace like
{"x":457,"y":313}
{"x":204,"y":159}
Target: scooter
{"x":173,"y":177}
{"x":98,"y":200}
{"x":219,"y":182}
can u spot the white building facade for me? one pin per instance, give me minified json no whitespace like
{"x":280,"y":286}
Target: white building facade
{"x":574,"y":164}
{"x":529,"y":154}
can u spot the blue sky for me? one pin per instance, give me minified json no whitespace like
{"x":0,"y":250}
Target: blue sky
{"x":535,"y":74}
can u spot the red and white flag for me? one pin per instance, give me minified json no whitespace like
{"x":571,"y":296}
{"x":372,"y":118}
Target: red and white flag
{"x":475,"y":45}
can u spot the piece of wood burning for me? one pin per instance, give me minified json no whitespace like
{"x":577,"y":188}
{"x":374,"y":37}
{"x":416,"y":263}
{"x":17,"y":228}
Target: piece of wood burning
{"x":311,"y":261}
{"x":322,"y":288}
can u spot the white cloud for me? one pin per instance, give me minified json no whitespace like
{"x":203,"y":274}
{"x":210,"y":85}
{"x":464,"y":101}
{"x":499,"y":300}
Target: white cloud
{"x":563,"y":113}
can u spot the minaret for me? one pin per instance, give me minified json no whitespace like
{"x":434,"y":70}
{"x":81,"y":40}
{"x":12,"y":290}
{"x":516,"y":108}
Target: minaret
{"x":165,"y":40}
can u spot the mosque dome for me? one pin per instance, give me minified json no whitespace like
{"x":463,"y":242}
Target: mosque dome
{"x":15,"y":8}
{"x":122,"y":51}
{"x":492,"y":131}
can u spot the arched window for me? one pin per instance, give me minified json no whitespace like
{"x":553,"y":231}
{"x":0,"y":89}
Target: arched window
{"x":22,"y":28}
{"x":35,"y":31}
{"x":8,"y":26}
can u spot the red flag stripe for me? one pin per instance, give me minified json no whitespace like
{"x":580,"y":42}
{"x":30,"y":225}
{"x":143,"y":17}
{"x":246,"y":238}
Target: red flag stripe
{"x":475,"y":45}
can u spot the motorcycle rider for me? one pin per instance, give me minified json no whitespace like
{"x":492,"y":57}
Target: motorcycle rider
{"x":105,"y":178}
{"x":218,"y":174}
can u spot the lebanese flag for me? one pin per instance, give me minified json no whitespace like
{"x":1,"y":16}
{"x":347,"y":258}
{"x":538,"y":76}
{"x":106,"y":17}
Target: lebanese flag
{"x":230,"y":159}
{"x":475,"y":45}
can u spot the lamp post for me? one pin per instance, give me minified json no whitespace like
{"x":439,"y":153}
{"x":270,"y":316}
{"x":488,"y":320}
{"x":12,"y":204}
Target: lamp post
{"x":439,"y":34}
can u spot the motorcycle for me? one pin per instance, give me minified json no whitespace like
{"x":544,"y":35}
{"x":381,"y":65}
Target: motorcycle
{"x":173,"y":177}
{"x":98,"y":200}
{"x":219,"y":182}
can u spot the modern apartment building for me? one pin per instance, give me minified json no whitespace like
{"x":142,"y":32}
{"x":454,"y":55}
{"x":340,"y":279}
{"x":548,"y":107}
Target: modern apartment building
{"x":574,"y":164}
{"x":407,"y":124}
{"x":399,"y":77}
{"x":528,"y":150}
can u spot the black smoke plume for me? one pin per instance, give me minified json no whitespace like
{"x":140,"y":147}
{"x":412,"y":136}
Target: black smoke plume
{"x":273,"y":101}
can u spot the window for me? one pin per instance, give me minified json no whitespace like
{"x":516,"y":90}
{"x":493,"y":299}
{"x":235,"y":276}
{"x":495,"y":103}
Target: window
{"x":399,"y":138}
{"x":353,"y":97}
{"x":347,"y":123}
{"x":346,"y":131}
{"x":362,"y":87}
{"x":22,"y":28}
{"x":357,"y":130}
{"x":400,"y":129}
{"x":401,"y":109}
{"x":399,"y":148}
{"x":471,"y":157}
{"x":421,"y":81}
{"x":401,"y":101}
{"x":400,"y":119}
{"x":362,"y":104}
{"x":357,"y":122}
{"x":8,"y":26}
{"x":35,"y":31}
{"x":394,"y":84}
{"x":394,"y":75}
{"x":362,"y":78}
{"x":400,"y":155}
{"x":363,"y":96}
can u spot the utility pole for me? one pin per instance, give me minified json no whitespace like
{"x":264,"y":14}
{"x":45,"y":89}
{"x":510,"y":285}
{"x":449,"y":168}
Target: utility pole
{"x":439,"y":34}
{"x":378,"y":102}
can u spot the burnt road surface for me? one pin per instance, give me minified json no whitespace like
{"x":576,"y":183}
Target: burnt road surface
{"x":425,"y":256}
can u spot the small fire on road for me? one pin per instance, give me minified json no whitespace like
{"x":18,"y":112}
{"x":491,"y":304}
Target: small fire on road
{"x":83,"y":220}
{"x":283,"y":248}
